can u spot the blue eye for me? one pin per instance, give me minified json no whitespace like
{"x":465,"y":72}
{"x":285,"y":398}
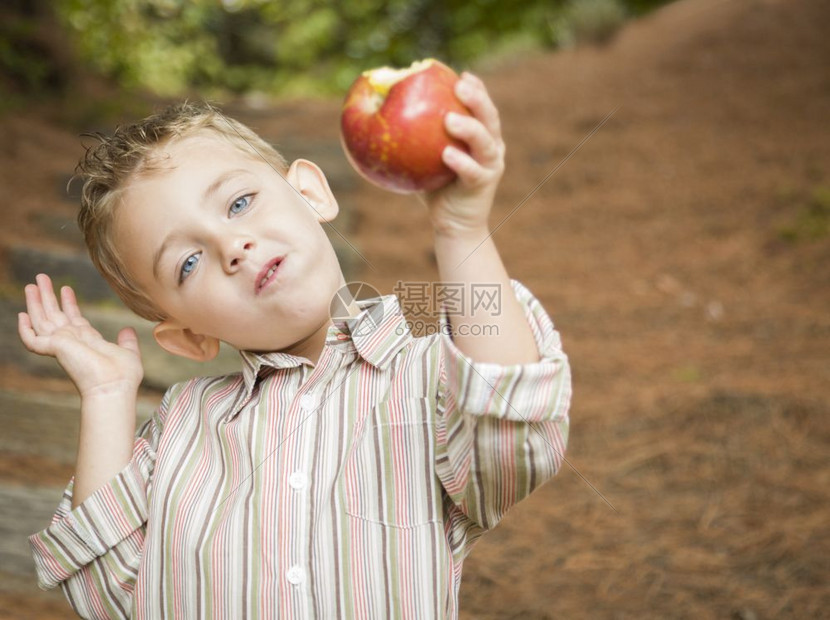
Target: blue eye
{"x":239,"y":205}
{"x":188,"y":266}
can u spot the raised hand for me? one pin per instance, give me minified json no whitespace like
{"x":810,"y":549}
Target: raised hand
{"x":464,"y":205}
{"x":96,"y":366}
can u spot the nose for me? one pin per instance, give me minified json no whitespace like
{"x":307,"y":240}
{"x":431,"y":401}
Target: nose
{"x":235,"y":251}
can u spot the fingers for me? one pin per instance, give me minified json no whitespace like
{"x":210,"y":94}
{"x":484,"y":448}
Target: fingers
{"x":47,"y":294}
{"x":35,"y":325}
{"x":485,"y":161}
{"x":44,"y":314}
{"x":128,"y":339}
{"x":70,"y":305}
{"x":472,"y":93}
{"x":481,"y":132}
{"x":42,"y":305}
{"x":484,"y":148}
{"x":34,"y":306}
{"x":469,"y":171}
{"x":28,"y":335}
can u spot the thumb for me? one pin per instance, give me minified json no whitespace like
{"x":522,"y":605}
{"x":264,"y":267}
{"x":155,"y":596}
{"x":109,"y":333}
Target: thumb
{"x":128,"y":339}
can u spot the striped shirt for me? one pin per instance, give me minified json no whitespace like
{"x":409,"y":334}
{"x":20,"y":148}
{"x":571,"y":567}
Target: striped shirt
{"x":351,"y":488}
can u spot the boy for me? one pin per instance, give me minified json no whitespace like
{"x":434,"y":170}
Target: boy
{"x":346,"y":471}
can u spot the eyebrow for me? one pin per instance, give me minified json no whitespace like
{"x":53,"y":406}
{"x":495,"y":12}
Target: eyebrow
{"x":209,"y":192}
{"x":157,"y":256}
{"x":214,"y":187}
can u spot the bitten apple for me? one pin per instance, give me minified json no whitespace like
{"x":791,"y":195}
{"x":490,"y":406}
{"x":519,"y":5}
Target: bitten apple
{"x":392,"y":126}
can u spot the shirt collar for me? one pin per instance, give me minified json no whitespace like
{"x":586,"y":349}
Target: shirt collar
{"x":376,"y":334}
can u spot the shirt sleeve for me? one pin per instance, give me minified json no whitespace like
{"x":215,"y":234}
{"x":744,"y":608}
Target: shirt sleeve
{"x":93,"y":550}
{"x":501,"y":430}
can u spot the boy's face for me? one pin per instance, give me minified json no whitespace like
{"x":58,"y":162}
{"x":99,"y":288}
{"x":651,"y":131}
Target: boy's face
{"x":230,"y":250}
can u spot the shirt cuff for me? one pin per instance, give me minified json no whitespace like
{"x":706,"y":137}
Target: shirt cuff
{"x":77,"y":537}
{"x":519,"y":392}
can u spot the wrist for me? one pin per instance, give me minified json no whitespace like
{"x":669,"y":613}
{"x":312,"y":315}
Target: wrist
{"x":121,"y":384}
{"x":460,"y":234}
{"x":111,"y":393}
{"x":465,"y":255}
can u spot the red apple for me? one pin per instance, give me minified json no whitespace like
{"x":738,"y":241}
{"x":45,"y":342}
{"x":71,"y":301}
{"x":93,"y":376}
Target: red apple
{"x":392,"y":126}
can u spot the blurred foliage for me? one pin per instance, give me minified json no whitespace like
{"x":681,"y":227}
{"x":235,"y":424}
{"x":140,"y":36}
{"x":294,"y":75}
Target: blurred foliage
{"x":30,"y":60}
{"x":302,"y":46}
{"x":23,"y":62}
{"x":289,"y":47}
{"x":588,"y":21}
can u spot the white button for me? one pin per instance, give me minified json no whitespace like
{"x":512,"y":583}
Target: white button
{"x":295,"y":575}
{"x":298,"y":480}
{"x":307,"y":402}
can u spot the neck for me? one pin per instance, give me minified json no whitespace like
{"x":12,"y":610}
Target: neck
{"x":311,"y":347}
{"x":343,"y":306}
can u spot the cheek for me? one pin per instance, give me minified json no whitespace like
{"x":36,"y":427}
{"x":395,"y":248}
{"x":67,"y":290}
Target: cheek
{"x":329,"y":270}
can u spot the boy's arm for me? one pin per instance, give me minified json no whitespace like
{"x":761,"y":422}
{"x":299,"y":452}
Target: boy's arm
{"x":107,"y":376}
{"x":464,"y":248}
{"x":505,"y":386}
{"x":502,"y":337}
{"x":93,"y":552}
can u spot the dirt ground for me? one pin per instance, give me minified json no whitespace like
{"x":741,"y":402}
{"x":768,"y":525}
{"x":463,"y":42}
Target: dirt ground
{"x":682,"y":252}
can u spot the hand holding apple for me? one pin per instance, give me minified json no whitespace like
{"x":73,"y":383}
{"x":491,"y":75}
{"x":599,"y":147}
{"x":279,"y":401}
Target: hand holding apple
{"x":392,"y":126}
{"x":462,"y":208}
{"x":424,"y":129}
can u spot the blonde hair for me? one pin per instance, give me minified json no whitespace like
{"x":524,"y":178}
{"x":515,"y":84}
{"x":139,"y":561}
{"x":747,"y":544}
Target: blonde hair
{"x":107,"y":166}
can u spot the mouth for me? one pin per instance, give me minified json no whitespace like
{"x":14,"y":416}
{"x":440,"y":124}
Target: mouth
{"x":268,"y":274}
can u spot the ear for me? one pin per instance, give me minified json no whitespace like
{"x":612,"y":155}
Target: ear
{"x":309,"y":180}
{"x":178,"y":340}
